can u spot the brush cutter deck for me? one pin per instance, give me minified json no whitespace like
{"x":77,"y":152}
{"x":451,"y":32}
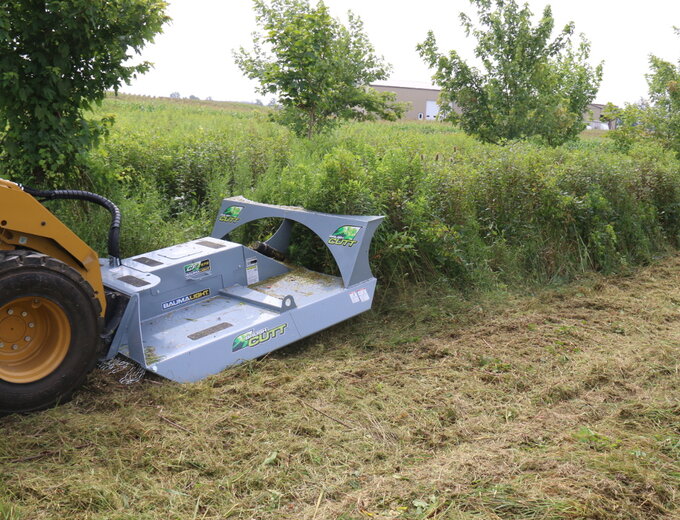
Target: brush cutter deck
{"x":199,"y":307}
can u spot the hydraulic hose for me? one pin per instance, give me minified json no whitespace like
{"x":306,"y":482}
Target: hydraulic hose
{"x":114,"y":229}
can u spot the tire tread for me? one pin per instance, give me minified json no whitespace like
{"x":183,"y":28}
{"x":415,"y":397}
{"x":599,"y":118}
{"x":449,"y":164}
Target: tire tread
{"x":19,"y":258}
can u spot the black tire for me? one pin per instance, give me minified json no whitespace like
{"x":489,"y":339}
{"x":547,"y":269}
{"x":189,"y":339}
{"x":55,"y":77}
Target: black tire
{"x":26,"y":275}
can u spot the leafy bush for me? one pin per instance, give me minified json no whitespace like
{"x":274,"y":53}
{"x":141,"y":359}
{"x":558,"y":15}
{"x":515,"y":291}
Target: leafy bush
{"x":458,"y":212}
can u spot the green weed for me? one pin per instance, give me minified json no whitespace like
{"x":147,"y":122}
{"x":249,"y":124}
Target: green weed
{"x":594,"y":440}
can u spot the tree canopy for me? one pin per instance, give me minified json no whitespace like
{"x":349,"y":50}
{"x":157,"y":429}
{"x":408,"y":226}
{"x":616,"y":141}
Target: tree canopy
{"x":664,"y":95}
{"x":656,"y":118}
{"x":319,"y":68}
{"x":529,"y":85}
{"x":57,"y":58}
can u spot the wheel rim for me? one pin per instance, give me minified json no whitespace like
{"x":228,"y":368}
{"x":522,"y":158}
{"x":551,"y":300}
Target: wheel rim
{"x":35,"y":336}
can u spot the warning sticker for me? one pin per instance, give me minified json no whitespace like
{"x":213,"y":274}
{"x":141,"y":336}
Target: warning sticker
{"x":354,"y":297}
{"x":252,"y":274}
{"x":363,"y":295}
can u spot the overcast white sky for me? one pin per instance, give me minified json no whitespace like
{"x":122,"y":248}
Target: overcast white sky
{"x":193,"y":55}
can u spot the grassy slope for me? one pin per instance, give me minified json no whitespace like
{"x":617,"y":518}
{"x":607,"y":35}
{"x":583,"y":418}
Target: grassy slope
{"x":558,"y":406}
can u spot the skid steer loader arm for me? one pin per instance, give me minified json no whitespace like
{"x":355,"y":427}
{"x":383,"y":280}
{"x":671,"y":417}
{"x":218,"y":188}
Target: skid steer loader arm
{"x":25,"y":223}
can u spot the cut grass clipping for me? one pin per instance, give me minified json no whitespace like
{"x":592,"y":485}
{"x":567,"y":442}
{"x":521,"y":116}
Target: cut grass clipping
{"x":558,"y":406}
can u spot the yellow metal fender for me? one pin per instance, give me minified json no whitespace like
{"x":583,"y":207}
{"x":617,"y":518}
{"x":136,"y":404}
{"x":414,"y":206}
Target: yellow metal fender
{"x":24,"y":222}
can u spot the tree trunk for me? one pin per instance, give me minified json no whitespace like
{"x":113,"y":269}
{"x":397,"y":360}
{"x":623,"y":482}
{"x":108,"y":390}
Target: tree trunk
{"x":311,"y":124}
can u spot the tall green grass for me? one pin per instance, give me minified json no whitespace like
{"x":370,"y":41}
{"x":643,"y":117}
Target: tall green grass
{"x":458,"y":212}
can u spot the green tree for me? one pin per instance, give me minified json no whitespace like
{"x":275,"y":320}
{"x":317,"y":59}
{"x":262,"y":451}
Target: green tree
{"x":530,"y":84}
{"x":319,"y":68}
{"x":57,"y":58}
{"x":611,"y":114}
{"x":664,"y":95}
{"x":656,"y":118}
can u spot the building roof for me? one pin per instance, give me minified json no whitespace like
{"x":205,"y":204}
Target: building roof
{"x":413,"y":87}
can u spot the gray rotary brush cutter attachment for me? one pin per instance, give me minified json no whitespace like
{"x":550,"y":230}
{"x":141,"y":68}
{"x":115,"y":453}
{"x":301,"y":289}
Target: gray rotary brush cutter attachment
{"x":197,"y":308}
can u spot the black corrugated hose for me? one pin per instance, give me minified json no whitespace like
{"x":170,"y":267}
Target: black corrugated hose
{"x":114,"y":230}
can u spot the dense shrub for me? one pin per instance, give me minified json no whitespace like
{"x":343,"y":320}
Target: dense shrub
{"x":458,"y":212}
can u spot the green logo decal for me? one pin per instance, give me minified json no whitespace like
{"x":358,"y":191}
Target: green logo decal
{"x":231,"y":214}
{"x":253,"y":339}
{"x":344,"y":236}
{"x":196,"y":269}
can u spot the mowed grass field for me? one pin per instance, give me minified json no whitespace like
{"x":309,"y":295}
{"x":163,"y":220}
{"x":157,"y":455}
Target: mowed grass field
{"x":559,"y":405}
